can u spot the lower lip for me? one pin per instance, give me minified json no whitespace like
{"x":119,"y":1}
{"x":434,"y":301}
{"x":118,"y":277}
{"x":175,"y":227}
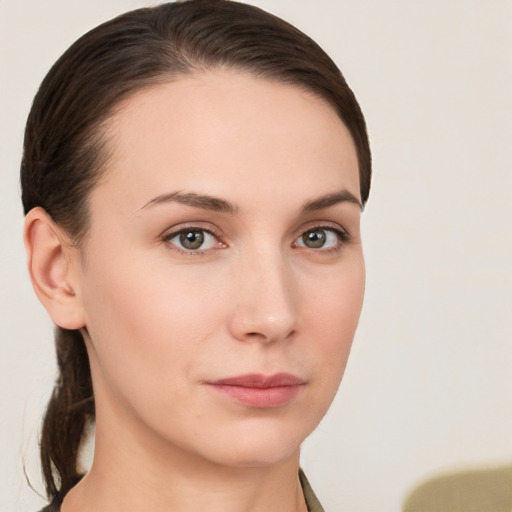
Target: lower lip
{"x":260,"y":398}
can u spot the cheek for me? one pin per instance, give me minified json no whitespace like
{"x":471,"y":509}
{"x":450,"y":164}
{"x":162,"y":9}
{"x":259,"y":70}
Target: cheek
{"x":336,"y":298}
{"x":148,"y":326}
{"x":333,"y":312}
{"x":156,"y":320}
{"x":148,"y":309}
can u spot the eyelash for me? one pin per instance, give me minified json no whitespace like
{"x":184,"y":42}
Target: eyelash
{"x":342,"y":235}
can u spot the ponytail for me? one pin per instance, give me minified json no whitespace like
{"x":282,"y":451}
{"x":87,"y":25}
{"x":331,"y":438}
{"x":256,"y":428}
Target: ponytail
{"x":69,"y":410}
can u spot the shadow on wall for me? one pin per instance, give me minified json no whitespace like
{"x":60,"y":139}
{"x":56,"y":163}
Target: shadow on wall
{"x":480,"y":490}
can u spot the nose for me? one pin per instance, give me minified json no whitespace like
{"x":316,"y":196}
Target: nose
{"x":265,"y":300}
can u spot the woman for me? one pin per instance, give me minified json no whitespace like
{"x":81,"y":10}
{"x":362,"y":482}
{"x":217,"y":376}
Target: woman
{"x":193,"y":177}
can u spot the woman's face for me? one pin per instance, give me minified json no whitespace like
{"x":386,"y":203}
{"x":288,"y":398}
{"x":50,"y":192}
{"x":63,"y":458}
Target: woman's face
{"x":222,"y":278}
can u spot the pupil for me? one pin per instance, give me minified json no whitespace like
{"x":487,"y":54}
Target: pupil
{"x":192,"y":239}
{"x":314,"y":239}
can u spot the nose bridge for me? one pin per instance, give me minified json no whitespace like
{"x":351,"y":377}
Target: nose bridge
{"x":266,"y":297}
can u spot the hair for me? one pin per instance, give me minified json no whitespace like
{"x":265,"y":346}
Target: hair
{"x":65,"y":149}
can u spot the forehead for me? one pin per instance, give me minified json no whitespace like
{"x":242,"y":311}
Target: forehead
{"x":223,"y":128}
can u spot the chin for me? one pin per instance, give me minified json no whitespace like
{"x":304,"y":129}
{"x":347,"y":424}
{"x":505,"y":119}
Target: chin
{"x":255,"y":456}
{"x":256,"y":444}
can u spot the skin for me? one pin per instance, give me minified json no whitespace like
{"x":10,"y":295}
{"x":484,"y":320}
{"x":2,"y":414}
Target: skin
{"x":160,"y":321}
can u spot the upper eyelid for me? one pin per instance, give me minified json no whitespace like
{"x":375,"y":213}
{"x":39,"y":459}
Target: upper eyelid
{"x":338,"y":230}
{"x":193,"y":226}
{"x":174,"y":234}
{"x":328,"y":225}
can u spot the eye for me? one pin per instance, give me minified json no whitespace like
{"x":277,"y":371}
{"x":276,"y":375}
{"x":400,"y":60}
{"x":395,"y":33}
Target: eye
{"x":321,"y":238}
{"x":191,"y":239}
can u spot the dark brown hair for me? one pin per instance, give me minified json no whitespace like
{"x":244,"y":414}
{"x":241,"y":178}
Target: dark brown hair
{"x":64,"y":152}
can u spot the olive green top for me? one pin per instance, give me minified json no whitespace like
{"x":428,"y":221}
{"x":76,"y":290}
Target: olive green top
{"x":311,"y":500}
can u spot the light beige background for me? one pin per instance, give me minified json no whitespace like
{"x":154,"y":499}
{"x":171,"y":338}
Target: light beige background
{"x":429,"y":385}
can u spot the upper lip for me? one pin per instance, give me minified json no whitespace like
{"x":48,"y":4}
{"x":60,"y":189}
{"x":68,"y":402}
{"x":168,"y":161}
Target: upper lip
{"x":258,"y":380}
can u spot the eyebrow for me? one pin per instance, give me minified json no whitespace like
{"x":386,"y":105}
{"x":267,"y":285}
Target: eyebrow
{"x":343,"y":196}
{"x":203,"y":201}
{"x":207,"y":202}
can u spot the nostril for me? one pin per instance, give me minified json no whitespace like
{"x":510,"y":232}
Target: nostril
{"x":268,"y":337}
{"x":256,"y":335}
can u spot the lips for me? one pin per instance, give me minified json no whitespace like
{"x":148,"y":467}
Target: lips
{"x":258,"y":390}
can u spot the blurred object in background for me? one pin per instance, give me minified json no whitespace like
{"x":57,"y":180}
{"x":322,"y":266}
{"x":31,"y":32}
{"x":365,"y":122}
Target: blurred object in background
{"x":474,"y":490}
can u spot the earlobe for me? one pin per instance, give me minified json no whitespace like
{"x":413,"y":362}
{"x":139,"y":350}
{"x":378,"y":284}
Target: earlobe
{"x":52,"y":266}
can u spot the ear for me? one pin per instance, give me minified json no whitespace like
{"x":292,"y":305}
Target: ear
{"x":53,"y":265}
